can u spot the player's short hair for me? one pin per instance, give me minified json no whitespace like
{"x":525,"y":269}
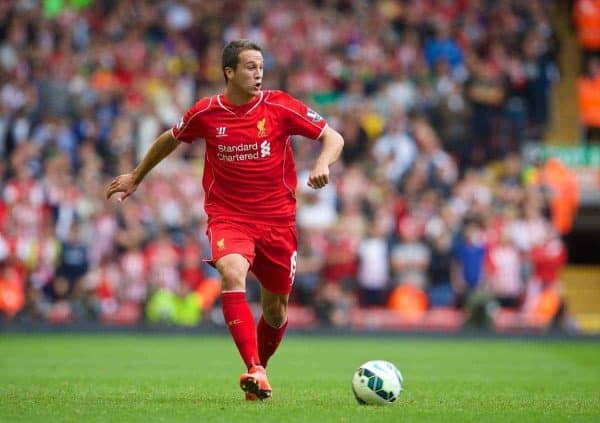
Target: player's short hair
{"x":231,"y":53}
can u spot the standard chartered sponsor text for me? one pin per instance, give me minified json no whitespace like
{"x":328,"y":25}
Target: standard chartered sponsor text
{"x":238,"y":152}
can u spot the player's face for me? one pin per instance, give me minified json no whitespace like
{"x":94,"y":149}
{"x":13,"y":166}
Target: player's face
{"x":248,"y":75}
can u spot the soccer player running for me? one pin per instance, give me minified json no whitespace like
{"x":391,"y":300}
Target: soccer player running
{"x":249,"y":182}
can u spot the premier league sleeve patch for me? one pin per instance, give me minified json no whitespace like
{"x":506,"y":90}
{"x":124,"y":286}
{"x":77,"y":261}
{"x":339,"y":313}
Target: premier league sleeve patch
{"x":312,"y":115}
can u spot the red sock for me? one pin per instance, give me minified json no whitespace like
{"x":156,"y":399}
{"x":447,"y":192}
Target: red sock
{"x":269,"y":339}
{"x":240,"y":321}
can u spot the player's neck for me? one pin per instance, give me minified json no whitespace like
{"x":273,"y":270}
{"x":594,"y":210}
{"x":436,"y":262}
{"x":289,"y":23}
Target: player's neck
{"x":237,"y":97}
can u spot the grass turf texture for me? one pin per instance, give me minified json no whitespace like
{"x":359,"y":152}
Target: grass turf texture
{"x":194,"y":378}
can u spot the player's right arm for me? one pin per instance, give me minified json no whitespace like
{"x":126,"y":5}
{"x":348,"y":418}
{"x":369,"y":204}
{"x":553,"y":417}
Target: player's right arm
{"x":128,"y":182}
{"x":187,"y":130}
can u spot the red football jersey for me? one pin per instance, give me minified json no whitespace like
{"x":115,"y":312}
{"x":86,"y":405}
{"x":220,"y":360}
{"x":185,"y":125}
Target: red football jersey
{"x":249,"y":172}
{"x":548,"y":259}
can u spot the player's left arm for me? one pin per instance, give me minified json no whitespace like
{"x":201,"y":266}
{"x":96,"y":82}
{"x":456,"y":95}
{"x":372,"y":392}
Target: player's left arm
{"x":332,"y":144}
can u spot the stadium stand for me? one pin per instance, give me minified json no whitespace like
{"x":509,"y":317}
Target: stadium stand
{"x":433,"y":218}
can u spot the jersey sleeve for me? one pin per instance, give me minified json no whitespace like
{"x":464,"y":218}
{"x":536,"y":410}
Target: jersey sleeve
{"x":298,"y":118}
{"x":191,"y":126}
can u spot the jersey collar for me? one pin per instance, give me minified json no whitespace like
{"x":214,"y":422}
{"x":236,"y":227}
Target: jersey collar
{"x":243,"y":109}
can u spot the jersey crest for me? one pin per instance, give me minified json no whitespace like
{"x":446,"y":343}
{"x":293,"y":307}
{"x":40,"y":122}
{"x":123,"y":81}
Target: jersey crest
{"x":261,"y":127}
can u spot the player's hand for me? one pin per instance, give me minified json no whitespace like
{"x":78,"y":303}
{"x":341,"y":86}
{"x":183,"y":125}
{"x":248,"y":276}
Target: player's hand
{"x":319,"y":177}
{"x":123,"y":183}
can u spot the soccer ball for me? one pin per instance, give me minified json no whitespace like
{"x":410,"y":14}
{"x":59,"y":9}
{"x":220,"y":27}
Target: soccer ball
{"x":377,"y":382}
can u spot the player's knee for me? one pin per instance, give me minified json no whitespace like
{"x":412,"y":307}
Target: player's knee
{"x":275,"y":314}
{"x":233,"y":278}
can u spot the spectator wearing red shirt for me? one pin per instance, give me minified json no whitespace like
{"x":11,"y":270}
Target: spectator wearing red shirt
{"x":548,"y":258}
{"x":340,"y":257}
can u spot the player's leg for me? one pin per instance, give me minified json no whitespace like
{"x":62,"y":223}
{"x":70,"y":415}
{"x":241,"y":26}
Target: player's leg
{"x":232,"y":249}
{"x":236,"y":311}
{"x":233,"y":252}
{"x":272,"y":324}
{"x":271,"y":328}
{"x":240,"y":321}
{"x":275,"y":267}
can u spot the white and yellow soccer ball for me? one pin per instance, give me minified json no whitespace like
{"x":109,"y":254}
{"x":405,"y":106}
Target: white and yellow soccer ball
{"x":377,"y":382}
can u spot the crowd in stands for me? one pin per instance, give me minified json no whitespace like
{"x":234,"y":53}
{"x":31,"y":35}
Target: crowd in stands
{"x":430,"y":202}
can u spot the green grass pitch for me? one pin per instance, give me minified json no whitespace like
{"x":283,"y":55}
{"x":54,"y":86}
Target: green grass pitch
{"x":170,"y":378}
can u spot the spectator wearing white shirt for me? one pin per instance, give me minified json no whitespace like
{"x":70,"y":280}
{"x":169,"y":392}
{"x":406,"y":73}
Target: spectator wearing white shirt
{"x":503,"y":272}
{"x":410,"y":258}
{"x":395,"y":151}
{"x":373,"y":266}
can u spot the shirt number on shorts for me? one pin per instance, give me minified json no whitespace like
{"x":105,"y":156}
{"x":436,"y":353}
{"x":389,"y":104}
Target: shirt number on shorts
{"x":293,"y":260}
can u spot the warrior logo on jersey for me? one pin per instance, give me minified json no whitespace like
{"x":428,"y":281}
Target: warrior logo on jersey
{"x":261,"y":127}
{"x":221,"y":244}
{"x":179,"y":124}
{"x":312,"y":115}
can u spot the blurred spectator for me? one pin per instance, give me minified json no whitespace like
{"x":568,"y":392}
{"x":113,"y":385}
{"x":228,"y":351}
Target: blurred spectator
{"x":454,"y":114}
{"x":333,"y":305}
{"x":558,"y":184}
{"x":586,"y":15}
{"x":443,"y":48}
{"x":355,"y":140}
{"x":541,"y":73}
{"x":373,"y":266}
{"x":486,"y":93}
{"x":543,"y":297}
{"x":73,"y":262}
{"x":439,"y":290}
{"x":588,"y":90}
{"x":410,"y":257}
{"x":395,"y":151}
{"x":440,"y":169}
{"x":317,"y":208}
{"x":469,"y":252}
{"x":526,"y":230}
{"x":548,"y":258}
{"x":12,"y":292}
{"x":509,"y":190}
{"x":308,"y":270}
{"x":340,"y":258}
{"x":503,"y":273}
{"x":162,"y":259}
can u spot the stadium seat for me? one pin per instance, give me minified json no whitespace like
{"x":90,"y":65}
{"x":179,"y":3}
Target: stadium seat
{"x":300,"y":317}
{"x":60,"y":313}
{"x":538,"y":319}
{"x":444,"y":319}
{"x":385,"y":319}
{"x":127,"y":314}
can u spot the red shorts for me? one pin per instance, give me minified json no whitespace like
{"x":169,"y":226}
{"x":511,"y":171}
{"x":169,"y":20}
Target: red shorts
{"x":270,"y":250}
